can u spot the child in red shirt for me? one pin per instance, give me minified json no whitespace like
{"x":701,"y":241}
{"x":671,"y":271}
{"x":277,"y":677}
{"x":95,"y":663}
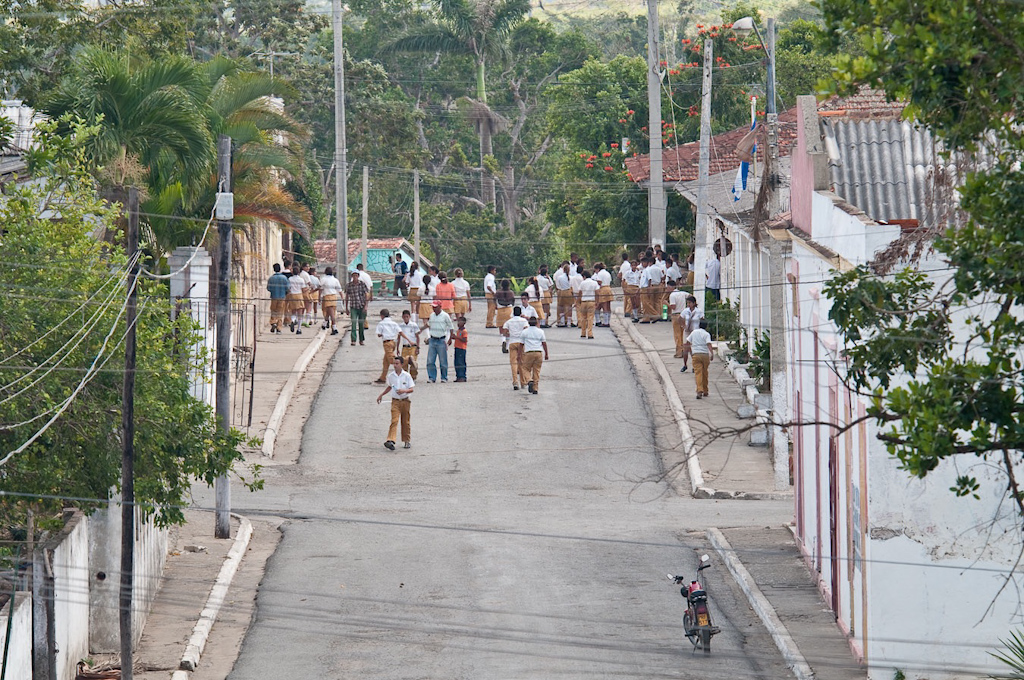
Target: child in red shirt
{"x":461,"y":340}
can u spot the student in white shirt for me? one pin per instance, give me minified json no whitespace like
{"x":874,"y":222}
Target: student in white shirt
{"x":714,"y":269}
{"x":533,"y":293}
{"x":409,"y":341}
{"x":534,"y":341}
{"x":585,"y":303}
{"x":575,"y":279}
{"x":330,"y":293}
{"x":603,"y":308}
{"x":387,"y":331}
{"x":528,"y":310}
{"x":689,"y":321}
{"x":415,"y":289}
{"x":631,"y":290}
{"x":627,"y":290}
{"x":544,"y":283}
{"x":400,"y":384}
{"x":676,"y":305}
{"x":512,"y":331}
{"x":490,"y":290}
{"x":564,"y":295}
{"x":296,"y":299}
{"x":463,"y":303}
{"x":314,"y":295}
{"x":703,"y":355}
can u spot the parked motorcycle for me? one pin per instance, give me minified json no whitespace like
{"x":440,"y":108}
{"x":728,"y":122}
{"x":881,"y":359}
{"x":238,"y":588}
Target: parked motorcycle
{"x":697,"y":623}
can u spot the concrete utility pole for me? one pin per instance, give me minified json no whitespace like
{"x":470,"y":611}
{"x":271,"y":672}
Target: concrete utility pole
{"x":340,"y":146}
{"x":700,"y":238}
{"x":366,"y":206}
{"x":222,"y":524}
{"x":128,"y":445}
{"x":656,"y":183}
{"x":416,"y":213}
{"x":777,"y":281}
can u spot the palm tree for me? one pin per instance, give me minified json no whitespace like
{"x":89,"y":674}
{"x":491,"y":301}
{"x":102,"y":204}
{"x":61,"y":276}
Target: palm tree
{"x":479,"y":29}
{"x":149,"y":115}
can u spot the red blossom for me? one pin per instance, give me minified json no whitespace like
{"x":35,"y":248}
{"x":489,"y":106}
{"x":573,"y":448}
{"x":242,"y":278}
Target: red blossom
{"x":590,"y":165}
{"x":607,"y":168}
{"x":631,"y":112}
{"x":732,"y":39}
{"x":700,"y":25}
{"x":606,"y":154}
{"x":663,"y":63}
{"x":592,"y":158}
{"x":685,"y":41}
{"x":622,"y":120}
{"x":615,"y":145}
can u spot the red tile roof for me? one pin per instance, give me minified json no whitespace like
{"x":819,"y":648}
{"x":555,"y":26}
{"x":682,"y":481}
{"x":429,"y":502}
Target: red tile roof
{"x":326,"y":249}
{"x":680,"y":163}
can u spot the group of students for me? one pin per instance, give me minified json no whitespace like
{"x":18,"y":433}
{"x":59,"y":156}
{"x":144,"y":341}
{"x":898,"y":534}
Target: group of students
{"x":296,"y":291}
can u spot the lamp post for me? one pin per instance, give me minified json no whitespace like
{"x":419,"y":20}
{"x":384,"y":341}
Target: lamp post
{"x":776,"y":267}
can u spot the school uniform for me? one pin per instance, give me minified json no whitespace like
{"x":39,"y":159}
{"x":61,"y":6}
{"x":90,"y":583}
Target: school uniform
{"x":533,"y":354}
{"x":462,"y":287}
{"x":410,"y":349}
{"x":515,"y":327}
{"x":587,"y":301}
{"x":677,"y":303}
{"x":388,"y":332}
{"x":490,"y":290}
{"x":563,"y":291}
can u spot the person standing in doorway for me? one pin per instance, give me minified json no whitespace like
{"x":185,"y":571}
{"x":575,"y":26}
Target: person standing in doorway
{"x":330,"y":293}
{"x":534,"y":341}
{"x":442,"y":333}
{"x":714,"y":268}
{"x":277,"y":284}
{"x":400,"y":269}
{"x":401,"y":385}
{"x":410,"y":343}
{"x":461,"y":344}
{"x":388,"y":331}
{"x":703,"y":355}
{"x":356,"y":299}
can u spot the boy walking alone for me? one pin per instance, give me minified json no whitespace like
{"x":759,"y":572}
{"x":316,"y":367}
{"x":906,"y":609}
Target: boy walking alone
{"x":401,"y":384}
{"x":461,"y":342}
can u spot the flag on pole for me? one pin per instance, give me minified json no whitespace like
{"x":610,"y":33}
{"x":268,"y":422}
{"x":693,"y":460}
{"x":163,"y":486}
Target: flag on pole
{"x":746,"y":150}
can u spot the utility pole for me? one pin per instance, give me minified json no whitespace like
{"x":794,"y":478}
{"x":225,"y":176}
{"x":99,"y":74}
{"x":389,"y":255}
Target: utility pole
{"x":416,"y":214}
{"x":340,"y":145}
{"x":222,"y":527}
{"x":366,"y":206}
{"x":128,"y":445}
{"x":656,"y":184}
{"x":777,"y":281}
{"x":700,"y":237}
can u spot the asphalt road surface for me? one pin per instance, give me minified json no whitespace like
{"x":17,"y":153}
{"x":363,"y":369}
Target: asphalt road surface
{"x":521,"y":537}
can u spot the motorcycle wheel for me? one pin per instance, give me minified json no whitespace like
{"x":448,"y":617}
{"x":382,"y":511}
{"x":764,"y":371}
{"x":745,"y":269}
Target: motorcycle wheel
{"x":687,"y":625}
{"x":705,"y":640}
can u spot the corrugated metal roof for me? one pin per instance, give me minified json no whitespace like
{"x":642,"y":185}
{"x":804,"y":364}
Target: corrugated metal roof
{"x":887,"y":168}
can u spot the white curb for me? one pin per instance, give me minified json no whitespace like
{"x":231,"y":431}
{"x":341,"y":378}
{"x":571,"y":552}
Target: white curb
{"x":783,"y":640}
{"x":201,"y":631}
{"x":270,"y":436}
{"x":692,"y":463}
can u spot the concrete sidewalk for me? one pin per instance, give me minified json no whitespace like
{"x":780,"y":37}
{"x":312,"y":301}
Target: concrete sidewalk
{"x":195,"y":558}
{"x":728,"y":462}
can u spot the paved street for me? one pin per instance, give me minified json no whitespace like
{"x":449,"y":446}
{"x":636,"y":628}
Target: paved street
{"x":522,"y":537}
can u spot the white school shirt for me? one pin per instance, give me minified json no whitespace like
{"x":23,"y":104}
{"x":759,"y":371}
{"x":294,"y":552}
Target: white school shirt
{"x":515,"y":327}
{"x":461,"y":287}
{"x":305,"y":277}
{"x":632,"y":277}
{"x":699,"y":340}
{"x":673,"y":272}
{"x":624,"y":270}
{"x":365,"y":278}
{"x":562,"y":280}
{"x":489,"y":285}
{"x":573,"y":269}
{"x":644,"y":277}
{"x":533,"y":292}
{"x":314,"y":282}
{"x":330,"y":285}
{"x":432,"y":289}
{"x":528,"y":311}
{"x":655,"y":275}
{"x":677,"y":301}
{"x":588,"y":289}
{"x":387,"y":329}
{"x":691,"y":319}
{"x":714,"y":268}
{"x":533,"y":339}
{"x":543,"y":282}
{"x":400,"y":381}
{"x":416,"y":279}
{"x":574,"y":282}
{"x":409,"y":331}
{"x":604,"y":277}
{"x":295,"y":284}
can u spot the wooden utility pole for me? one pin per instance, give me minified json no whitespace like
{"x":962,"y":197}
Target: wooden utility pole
{"x":700,"y":238}
{"x":222,"y":528}
{"x":656,"y":184}
{"x":416,"y":214}
{"x":340,"y":146}
{"x":366,"y":207}
{"x":128,"y":444}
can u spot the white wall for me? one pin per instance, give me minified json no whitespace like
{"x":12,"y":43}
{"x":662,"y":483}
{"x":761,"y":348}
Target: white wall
{"x":71,"y":596}
{"x":19,"y":659}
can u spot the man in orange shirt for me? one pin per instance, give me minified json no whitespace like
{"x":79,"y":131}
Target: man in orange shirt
{"x":445,"y":293}
{"x":461,"y":341}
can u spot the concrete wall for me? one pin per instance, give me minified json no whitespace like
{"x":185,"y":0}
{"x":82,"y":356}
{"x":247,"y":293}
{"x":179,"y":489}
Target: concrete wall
{"x":105,"y":575}
{"x":19,"y":659}
{"x":71,"y":595}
